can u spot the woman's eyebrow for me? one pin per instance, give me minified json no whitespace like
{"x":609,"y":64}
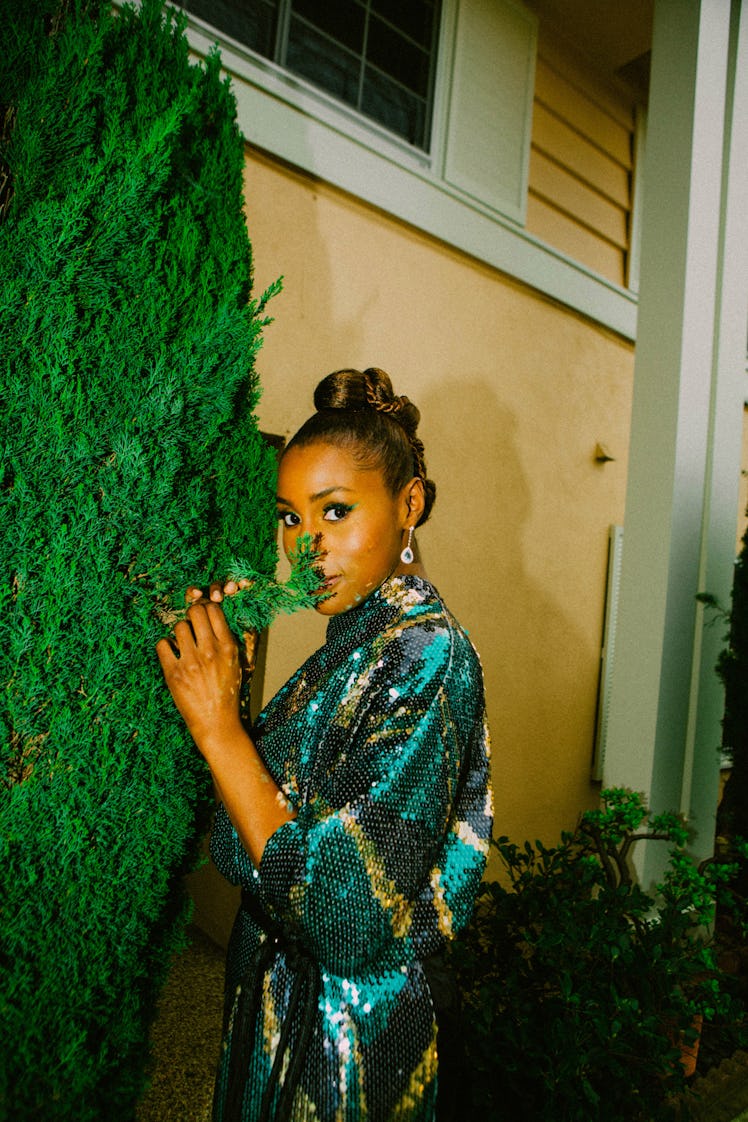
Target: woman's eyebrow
{"x":316,"y":496}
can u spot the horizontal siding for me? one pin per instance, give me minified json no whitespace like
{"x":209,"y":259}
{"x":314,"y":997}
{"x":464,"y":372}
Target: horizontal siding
{"x":561,"y":143}
{"x":573,"y":240}
{"x":557,"y":186}
{"x":566,"y":235}
{"x":580,"y":182}
{"x":583,"y":109}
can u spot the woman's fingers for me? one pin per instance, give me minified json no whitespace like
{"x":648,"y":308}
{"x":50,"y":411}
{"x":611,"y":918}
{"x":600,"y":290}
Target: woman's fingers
{"x":167,"y":655}
{"x":204,"y":624}
{"x":219,"y":624}
{"x":183,"y":635}
{"x":218,"y":589}
{"x":199,"y":625}
{"x":230,"y":588}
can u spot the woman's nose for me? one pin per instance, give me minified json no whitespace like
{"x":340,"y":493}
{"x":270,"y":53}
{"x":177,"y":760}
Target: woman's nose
{"x":302,"y":532}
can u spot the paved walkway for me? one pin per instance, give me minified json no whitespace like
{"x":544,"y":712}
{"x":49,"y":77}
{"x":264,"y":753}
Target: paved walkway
{"x":186,"y":1036}
{"x":722,"y":1094}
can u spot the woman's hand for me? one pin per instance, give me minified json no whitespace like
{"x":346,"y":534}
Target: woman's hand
{"x":216,"y":593}
{"x":203,"y":671}
{"x":202,"y":665}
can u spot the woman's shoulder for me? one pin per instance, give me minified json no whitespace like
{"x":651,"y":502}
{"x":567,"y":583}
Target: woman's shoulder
{"x":423,"y":622}
{"x":420,"y":602}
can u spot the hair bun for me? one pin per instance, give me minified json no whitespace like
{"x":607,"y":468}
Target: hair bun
{"x":368,"y":389}
{"x":343,"y":389}
{"x":381,"y":396}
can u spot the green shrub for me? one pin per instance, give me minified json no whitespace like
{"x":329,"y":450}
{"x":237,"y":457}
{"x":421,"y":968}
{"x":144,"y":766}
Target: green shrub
{"x":131,"y":465}
{"x":578,"y":984}
{"x":733,"y":670}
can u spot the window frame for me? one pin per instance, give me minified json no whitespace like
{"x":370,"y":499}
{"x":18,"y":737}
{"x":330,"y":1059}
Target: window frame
{"x":243,"y":63}
{"x":288,"y":118}
{"x":286,"y":14}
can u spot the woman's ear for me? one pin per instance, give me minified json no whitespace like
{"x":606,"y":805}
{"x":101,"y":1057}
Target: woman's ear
{"x":415,"y":497}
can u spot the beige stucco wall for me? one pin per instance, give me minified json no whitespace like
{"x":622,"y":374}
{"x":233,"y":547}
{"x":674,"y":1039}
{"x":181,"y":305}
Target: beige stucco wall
{"x":515,"y":393}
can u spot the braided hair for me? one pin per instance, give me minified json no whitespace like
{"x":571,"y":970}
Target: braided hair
{"x":359,"y":411}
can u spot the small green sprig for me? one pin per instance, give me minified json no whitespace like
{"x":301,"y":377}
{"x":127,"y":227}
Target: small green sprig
{"x":254,"y":608}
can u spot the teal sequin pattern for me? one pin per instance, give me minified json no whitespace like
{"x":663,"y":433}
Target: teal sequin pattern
{"x":380,"y":744}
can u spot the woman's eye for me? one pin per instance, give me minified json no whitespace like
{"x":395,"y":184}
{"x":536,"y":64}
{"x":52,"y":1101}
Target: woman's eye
{"x":288,"y":518}
{"x":337,"y":511}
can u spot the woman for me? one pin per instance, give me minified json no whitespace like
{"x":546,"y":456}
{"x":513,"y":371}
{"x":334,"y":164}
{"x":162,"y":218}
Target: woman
{"x":356,"y":813}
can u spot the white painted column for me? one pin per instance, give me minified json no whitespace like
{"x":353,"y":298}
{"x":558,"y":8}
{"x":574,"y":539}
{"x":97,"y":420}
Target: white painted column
{"x":728,"y":397}
{"x":681,"y":507}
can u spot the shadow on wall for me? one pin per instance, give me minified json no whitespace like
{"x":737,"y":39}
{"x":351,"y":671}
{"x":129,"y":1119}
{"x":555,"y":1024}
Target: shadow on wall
{"x":541,"y":674}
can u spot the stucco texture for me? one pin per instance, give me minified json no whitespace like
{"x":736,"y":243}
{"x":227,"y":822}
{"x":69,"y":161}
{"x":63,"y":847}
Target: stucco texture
{"x":515,"y":393}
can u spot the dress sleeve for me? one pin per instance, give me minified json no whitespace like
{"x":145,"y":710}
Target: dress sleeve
{"x":375,"y":869}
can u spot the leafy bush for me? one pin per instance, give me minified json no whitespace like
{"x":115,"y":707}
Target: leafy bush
{"x":733,"y":670}
{"x":131,"y":465}
{"x":579,"y":986}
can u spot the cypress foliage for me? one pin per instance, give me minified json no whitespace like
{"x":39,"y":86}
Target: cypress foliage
{"x":131,"y":466}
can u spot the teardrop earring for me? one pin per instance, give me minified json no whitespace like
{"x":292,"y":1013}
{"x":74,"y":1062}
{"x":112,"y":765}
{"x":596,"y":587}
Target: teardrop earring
{"x":407,"y":556}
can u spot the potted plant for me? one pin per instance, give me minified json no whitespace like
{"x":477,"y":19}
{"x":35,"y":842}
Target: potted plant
{"x":579,"y":987}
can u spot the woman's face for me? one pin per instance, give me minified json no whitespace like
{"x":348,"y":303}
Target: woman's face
{"x":323,"y":491}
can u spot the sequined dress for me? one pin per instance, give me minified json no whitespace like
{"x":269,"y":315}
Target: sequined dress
{"x":379,"y":741}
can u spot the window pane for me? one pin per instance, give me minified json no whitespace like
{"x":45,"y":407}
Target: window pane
{"x":323,"y":62}
{"x":252,"y":22}
{"x":396,"y":108}
{"x":417,"y":18}
{"x":342,"y":20}
{"x":398,"y":57}
{"x":331,"y":42}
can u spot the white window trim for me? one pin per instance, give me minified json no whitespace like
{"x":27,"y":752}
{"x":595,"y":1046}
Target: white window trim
{"x":286,"y":117}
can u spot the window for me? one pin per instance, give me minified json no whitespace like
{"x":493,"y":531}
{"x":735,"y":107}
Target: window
{"x":378,"y":56}
{"x":467,"y":184}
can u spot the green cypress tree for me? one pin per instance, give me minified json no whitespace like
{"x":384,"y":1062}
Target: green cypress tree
{"x":131,"y":466}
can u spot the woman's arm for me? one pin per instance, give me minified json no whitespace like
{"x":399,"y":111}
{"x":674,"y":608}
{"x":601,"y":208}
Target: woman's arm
{"x":390,"y":873}
{"x":202,"y":669}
